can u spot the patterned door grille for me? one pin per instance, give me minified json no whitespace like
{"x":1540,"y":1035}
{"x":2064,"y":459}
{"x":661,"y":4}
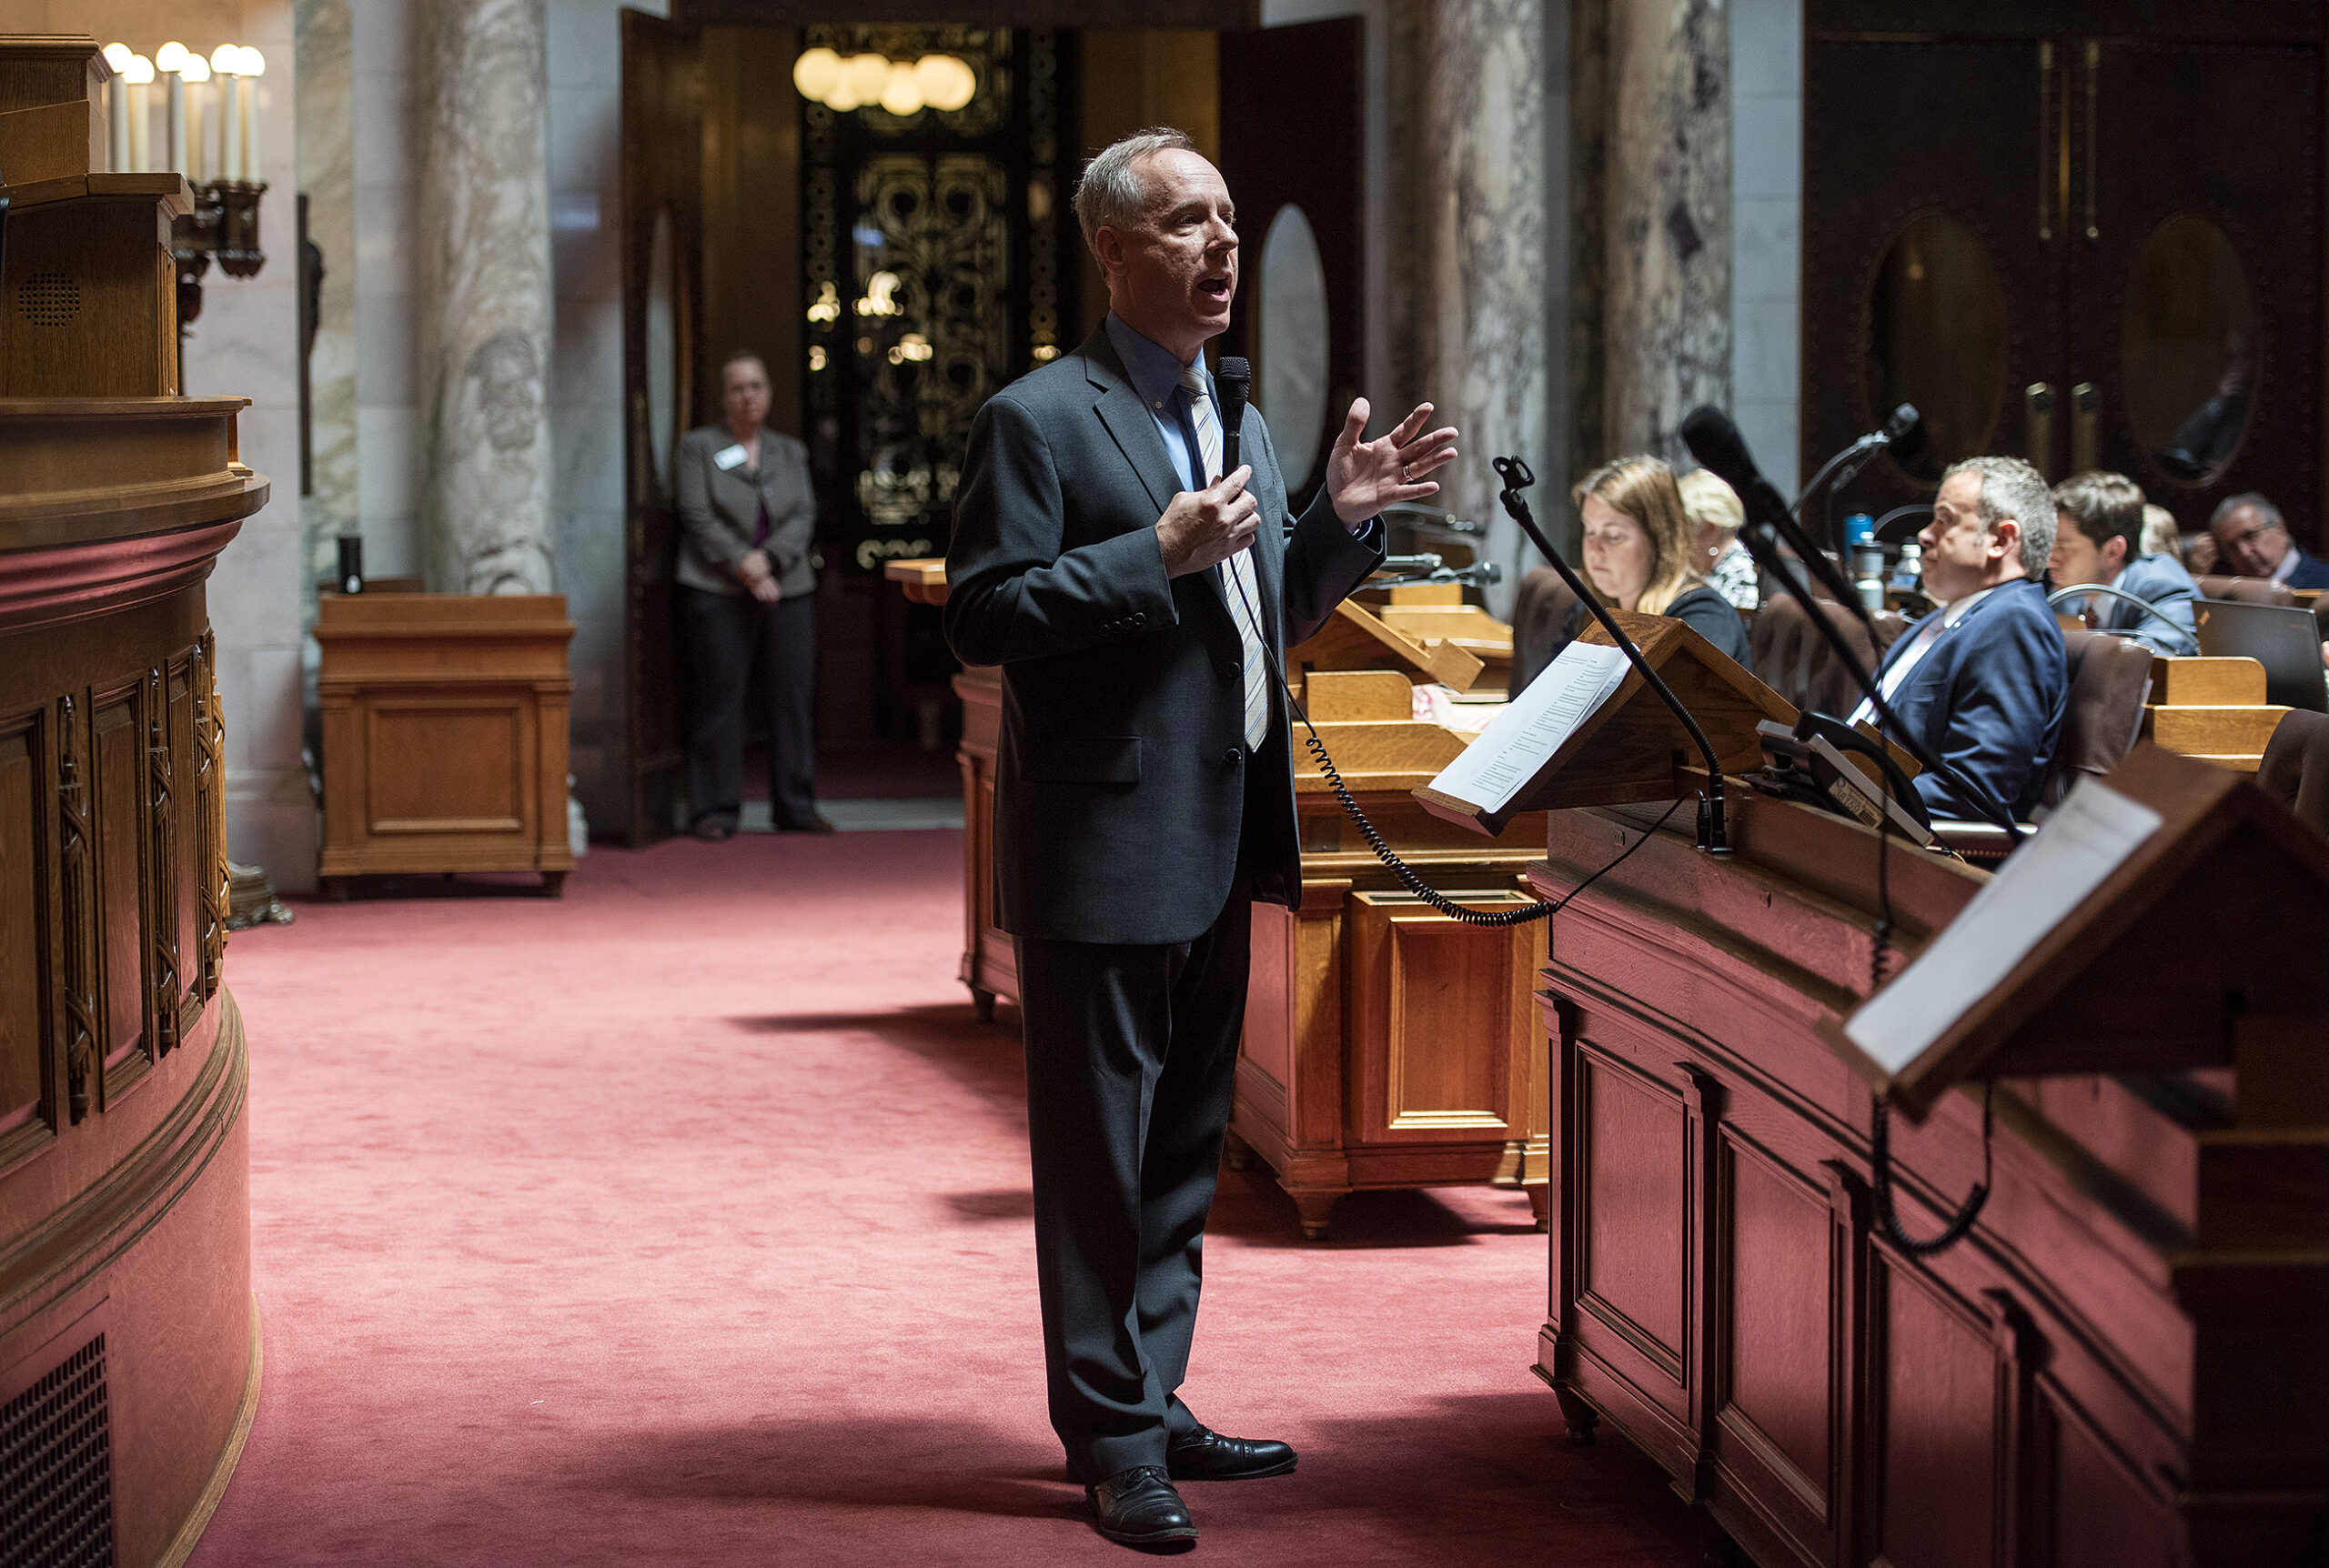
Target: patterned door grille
{"x":56,"y":1469}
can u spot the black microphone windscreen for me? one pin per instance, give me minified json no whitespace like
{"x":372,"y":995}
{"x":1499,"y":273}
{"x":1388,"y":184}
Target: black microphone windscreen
{"x":1910,"y":448}
{"x":1715,"y":442}
{"x":1236,"y":379}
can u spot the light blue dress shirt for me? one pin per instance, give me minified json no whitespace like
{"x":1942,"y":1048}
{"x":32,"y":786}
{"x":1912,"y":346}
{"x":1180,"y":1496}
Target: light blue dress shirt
{"x":1156,"y":376}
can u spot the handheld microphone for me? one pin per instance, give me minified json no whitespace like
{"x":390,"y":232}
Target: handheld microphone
{"x":1233,"y":380}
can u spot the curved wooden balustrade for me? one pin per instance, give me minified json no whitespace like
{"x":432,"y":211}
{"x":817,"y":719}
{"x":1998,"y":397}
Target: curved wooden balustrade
{"x":125,"y":1230}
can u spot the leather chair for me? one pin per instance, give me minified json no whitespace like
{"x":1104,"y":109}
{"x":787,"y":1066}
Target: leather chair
{"x":2247,"y":591}
{"x":2110,"y":681}
{"x":1540,"y":629}
{"x":2296,"y":771}
{"x":1793,"y":659}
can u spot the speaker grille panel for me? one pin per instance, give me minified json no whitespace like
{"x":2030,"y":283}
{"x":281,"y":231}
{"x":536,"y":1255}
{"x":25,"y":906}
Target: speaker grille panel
{"x":56,"y":1469}
{"x":49,"y":298}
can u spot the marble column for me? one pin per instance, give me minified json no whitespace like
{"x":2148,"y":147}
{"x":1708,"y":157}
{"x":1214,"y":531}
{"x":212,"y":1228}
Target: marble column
{"x":326,"y":163}
{"x":1470,"y":124}
{"x":484,"y":277}
{"x":1663,"y":199}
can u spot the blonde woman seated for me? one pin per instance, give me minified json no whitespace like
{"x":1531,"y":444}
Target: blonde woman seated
{"x":1639,"y":550}
{"x":1715,"y":511}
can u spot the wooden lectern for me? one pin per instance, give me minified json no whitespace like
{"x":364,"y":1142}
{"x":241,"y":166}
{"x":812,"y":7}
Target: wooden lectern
{"x":2123,"y":1362}
{"x":90,"y":286}
{"x":443,"y":734}
{"x":124,"y":1220}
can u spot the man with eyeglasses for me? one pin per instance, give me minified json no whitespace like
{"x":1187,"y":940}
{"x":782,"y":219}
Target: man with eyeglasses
{"x":2253,"y":541}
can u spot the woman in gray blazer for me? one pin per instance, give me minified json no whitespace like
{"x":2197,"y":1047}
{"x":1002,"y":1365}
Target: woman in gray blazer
{"x":748,"y":605}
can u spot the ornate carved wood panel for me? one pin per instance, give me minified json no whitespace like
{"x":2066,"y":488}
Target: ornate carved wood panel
{"x":118,"y":823}
{"x":28,"y":1103}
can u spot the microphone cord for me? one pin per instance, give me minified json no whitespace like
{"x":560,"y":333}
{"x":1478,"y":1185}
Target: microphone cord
{"x":1407,"y":874}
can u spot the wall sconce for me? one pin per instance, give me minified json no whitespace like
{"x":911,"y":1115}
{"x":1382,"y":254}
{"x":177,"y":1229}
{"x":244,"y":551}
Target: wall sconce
{"x":846,"y":82}
{"x":210,"y":120}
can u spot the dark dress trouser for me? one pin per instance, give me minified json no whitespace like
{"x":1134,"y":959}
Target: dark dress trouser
{"x":1132,"y":1063}
{"x":732,"y":638}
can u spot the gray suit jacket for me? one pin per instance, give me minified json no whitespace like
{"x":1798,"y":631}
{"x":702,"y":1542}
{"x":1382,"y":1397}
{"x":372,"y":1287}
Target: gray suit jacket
{"x":2160,"y":582}
{"x":1120,"y":780}
{"x":719,"y":512}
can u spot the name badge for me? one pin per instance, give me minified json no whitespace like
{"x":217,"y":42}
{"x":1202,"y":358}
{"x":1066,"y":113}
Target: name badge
{"x":733,"y":458}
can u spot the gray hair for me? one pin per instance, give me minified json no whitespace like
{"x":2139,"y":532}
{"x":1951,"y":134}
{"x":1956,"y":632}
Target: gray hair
{"x":1112,"y":192}
{"x":2231,"y":504}
{"x":2012,"y":488}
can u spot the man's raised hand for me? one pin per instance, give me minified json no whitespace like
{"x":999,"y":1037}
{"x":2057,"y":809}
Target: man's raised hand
{"x":1364,"y":477}
{"x":1202,"y":528}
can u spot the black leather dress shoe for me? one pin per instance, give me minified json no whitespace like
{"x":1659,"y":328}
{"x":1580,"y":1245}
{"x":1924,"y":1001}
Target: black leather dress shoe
{"x":1138,"y":1507}
{"x":1206,"y":1455}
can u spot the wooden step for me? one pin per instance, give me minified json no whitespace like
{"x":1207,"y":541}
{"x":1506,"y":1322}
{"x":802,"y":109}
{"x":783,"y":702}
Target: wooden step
{"x":2212,"y":729}
{"x":2184,"y":682}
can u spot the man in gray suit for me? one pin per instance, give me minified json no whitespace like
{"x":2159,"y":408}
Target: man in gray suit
{"x":2098,"y":538}
{"x":1138,"y":600}
{"x":748,"y":605}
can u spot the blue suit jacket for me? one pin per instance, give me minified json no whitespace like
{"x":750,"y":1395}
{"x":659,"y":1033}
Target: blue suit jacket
{"x":2310,"y":572}
{"x":2160,"y":582}
{"x":1988,"y":698}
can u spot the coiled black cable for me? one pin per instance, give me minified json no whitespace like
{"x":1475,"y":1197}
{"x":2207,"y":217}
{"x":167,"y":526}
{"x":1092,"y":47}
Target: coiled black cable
{"x":1416,"y":884}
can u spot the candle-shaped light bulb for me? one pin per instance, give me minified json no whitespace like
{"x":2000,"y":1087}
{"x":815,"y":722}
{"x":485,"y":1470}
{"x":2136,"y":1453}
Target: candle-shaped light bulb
{"x":170,"y":60}
{"x":195,"y":73}
{"x":140,"y":75}
{"x":117,"y":57}
{"x":254,"y":68}
{"x":227,"y":63}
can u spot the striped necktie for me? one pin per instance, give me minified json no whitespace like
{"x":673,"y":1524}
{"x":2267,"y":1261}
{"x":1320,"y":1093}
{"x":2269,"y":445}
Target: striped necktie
{"x":1237,"y":579}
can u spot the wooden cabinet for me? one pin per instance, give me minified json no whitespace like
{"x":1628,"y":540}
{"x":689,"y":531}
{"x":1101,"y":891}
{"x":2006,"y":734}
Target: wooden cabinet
{"x":443,"y":734}
{"x":2120,"y":1364}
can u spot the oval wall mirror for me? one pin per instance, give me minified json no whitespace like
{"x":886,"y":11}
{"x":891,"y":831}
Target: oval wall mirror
{"x":1293,"y":345}
{"x":662,"y":349}
{"x":1937,"y":336}
{"x":2187,"y":348}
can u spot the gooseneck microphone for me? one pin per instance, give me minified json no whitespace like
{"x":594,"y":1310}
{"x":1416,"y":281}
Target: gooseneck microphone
{"x":1233,"y":383}
{"x":1713,"y":832}
{"x":1715,"y":442}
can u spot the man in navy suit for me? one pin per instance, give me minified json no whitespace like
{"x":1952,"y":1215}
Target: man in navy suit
{"x":1982,"y":679}
{"x":2098,"y":538}
{"x":1138,"y":599}
{"x":2253,"y":541}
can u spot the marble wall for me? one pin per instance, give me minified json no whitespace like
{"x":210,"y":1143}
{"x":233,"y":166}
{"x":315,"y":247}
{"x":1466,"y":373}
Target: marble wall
{"x":246,"y":344}
{"x":483,"y":239}
{"x":1665,"y":300}
{"x":1767,"y":229}
{"x":1472,"y":314}
{"x":326,"y":174}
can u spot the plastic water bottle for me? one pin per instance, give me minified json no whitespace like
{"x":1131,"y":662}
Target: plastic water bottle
{"x":1910,"y":573}
{"x":1871,"y":580}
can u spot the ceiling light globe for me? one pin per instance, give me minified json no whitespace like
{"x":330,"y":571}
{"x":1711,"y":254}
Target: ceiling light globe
{"x":140,"y":72}
{"x":196,"y":70}
{"x":960,"y":91}
{"x":226,"y":59}
{"x":254,"y":63}
{"x":899,"y":94}
{"x":117,"y":56}
{"x":867,"y":76}
{"x":816,"y":73}
{"x":171,"y":56}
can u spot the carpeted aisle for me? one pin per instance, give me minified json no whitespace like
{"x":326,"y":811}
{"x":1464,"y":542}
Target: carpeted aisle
{"x":685,"y":1221}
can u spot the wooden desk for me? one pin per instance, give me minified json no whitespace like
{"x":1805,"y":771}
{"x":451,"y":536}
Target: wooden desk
{"x":1356,"y":1072}
{"x":2122,"y":1364}
{"x":443,"y":734}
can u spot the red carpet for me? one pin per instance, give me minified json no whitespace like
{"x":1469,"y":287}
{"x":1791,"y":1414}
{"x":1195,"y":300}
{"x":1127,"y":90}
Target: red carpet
{"x":685,"y":1221}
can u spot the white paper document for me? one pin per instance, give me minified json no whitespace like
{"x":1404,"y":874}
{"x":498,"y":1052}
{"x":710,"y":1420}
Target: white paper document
{"x":2087,"y":839}
{"x":1534,"y":726}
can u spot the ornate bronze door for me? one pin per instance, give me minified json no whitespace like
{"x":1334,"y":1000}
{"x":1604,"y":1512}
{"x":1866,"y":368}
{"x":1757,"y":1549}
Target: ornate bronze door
{"x":2084,"y":233}
{"x":662,"y":141}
